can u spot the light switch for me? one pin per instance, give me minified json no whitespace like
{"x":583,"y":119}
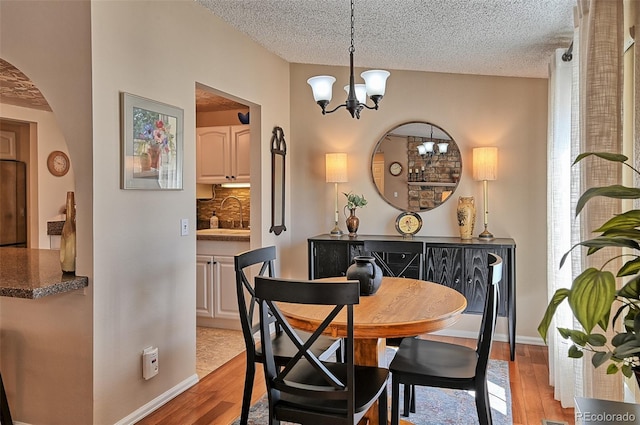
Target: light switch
{"x":184,"y":227}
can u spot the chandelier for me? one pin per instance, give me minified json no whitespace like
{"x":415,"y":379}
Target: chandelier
{"x":426,"y":149}
{"x":374,"y":87}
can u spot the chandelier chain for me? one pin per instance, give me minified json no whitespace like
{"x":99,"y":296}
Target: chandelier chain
{"x":351,"y":48}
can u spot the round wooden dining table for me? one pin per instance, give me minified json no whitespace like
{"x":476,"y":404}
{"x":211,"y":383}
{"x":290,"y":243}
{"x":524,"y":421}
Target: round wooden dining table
{"x":401,"y":307}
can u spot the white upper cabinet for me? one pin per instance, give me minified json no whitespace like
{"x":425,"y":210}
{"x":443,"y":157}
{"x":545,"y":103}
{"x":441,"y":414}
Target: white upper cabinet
{"x":222,"y":154}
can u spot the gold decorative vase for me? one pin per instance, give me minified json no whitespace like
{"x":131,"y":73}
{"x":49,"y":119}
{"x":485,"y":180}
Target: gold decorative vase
{"x":68,"y":238}
{"x":466,"y":212}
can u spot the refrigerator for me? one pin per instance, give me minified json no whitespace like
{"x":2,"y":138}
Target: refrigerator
{"x":13,"y":203}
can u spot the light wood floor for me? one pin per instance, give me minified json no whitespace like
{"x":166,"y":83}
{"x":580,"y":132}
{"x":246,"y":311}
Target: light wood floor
{"x":217,"y":398}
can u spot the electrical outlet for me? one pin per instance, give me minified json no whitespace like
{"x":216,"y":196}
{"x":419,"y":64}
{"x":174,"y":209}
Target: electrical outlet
{"x":184,"y":227}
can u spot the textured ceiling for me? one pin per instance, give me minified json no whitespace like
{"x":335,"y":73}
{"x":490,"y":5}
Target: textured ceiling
{"x":486,"y":37}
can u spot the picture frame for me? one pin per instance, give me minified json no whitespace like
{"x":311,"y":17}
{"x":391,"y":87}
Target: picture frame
{"x":152,"y":136}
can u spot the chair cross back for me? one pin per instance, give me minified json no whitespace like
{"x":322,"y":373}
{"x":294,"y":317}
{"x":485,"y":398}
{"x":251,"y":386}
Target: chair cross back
{"x":266,"y":256}
{"x":413,"y":256}
{"x":279,"y":290}
{"x":323,"y":347}
{"x":307,"y":388}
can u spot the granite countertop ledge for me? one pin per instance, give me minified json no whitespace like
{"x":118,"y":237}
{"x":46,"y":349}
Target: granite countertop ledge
{"x":224,"y":238}
{"x":35,"y":273}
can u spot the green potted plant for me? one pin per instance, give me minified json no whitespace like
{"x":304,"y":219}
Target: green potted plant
{"x":593,"y":297}
{"x":353,"y":201}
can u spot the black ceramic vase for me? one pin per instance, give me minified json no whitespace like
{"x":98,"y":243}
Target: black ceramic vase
{"x":365,"y":270}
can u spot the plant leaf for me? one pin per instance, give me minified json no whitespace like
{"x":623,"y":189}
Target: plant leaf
{"x":577,"y":337}
{"x":574,"y":352}
{"x":627,"y":349}
{"x":621,"y":338}
{"x":627,"y":371}
{"x":614,"y":191}
{"x":591,"y":296}
{"x":596,"y":340}
{"x":612,"y":369}
{"x":631,"y":289}
{"x":557,"y":298}
{"x":627,"y":220}
{"x":600,"y":242}
{"x":629,"y":268}
{"x":624,"y":233}
{"x":599,"y":358}
{"x":613,"y":157}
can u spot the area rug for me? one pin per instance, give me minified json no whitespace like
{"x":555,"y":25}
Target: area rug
{"x":435,"y":406}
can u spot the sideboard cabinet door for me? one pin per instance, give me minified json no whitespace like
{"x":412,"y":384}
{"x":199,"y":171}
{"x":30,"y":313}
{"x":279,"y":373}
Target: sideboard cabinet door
{"x":444,"y":265}
{"x":476,"y":279}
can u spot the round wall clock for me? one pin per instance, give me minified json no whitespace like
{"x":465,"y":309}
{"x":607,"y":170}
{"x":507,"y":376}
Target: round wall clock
{"x":395,"y":168}
{"x":58,"y":163}
{"x":408,"y":223}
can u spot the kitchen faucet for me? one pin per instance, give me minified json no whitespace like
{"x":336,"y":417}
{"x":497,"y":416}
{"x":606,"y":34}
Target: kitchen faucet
{"x":239,"y":204}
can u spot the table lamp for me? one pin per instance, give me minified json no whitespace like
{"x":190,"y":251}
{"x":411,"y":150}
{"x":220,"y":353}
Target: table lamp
{"x":485,"y":168}
{"x":336,"y":165}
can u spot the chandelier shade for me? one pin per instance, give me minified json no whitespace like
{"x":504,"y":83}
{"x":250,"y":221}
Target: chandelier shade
{"x":361,"y":92}
{"x":322,"y":87}
{"x":373,"y":88}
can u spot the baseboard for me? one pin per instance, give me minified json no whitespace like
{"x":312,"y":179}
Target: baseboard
{"x":496,"y":337}
{"x":159,"y":401}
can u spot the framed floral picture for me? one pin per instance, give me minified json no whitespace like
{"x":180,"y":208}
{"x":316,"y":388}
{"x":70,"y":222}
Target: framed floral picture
{"x":152,"y":144}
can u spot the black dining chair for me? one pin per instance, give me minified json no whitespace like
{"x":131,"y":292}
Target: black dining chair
{"x":308,"y":390}
{"x":420,"y":362}
{"x":248,"y":305}
{"x":399,"y":259}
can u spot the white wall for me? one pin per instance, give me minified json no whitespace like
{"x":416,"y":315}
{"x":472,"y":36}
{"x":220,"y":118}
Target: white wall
{"x":51,"y":190}
{"x":510,"y":113}
{"x":145,"y":271}
{"x":142,"y":287}
{"x":46,"y":344}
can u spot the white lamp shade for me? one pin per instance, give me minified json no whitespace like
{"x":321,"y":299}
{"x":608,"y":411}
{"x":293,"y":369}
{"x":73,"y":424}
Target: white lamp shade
{"x":485,"y":163}
{"x":376,"y":81}
{"x":422,"y":150}
{"x":336,"y":167}
{"x":361,"y":92}
{"x":428,"y":146}
{"x":443,"y":147}
{"x":322,"y":87}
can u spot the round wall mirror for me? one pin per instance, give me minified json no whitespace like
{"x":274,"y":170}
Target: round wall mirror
{"x":416,"y":166}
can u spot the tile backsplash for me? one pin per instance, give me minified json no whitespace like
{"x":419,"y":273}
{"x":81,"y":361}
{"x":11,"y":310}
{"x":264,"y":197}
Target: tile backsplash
{"x":231,"y":212}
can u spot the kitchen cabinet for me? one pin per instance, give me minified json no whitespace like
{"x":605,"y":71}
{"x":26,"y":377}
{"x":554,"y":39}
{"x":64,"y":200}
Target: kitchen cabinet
{"x":204,"y":286}
{"x":215,"y":289}
{"x":216,"y":301}
{"x":459,"y":264}
{"x":223,"y":154}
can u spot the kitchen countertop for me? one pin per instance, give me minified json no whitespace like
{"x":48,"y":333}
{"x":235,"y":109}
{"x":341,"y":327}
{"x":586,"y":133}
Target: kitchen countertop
{"x":224,"y":235}
{"x":35,"y":273}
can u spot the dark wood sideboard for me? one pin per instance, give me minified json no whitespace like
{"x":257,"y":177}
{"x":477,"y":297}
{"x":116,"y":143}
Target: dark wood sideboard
{"x":454,"y":262}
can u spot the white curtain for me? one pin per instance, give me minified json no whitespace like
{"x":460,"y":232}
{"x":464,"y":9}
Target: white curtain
{"x":585,"y":98}
{"x":561,"y":369}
